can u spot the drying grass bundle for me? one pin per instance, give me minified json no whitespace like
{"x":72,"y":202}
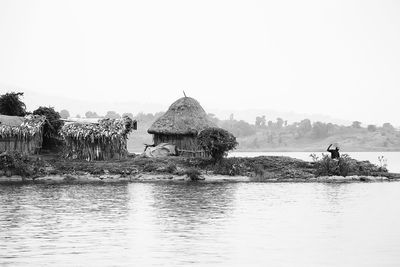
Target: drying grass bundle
{"x":184,"y":117}
{"x":97,"y":141}
{"x":22,"y":134}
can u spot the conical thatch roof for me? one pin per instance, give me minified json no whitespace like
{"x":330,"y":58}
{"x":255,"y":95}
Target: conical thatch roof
{"x":184,"y":116}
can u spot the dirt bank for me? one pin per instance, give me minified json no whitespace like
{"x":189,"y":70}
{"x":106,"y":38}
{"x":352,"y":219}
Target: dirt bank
{"x":50,"y":168}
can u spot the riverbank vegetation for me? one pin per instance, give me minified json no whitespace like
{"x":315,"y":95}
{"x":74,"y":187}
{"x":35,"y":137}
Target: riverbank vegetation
{"x":344,"y":166}
{"x":216,"y":141}
{"x":265,"y":168}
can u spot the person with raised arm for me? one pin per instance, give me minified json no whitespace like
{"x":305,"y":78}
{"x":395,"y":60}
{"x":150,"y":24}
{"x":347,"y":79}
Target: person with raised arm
{"x":334,"y":152}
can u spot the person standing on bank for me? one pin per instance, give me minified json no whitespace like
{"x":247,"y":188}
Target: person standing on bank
{"x":334,"y":152}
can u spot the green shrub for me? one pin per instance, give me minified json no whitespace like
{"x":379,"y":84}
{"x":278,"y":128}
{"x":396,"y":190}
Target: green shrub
{"x":259,"y":170}
{"x":327,"y":166}
{"x":51,"y":137}
{"x":228,"y":167}
{"x":16,"y":163}
{"x":171,"y":168}
{"x":217,"y":142}
{"x":344,"y":166}
{"x":193,"y":174}
{"x":150,"y":167}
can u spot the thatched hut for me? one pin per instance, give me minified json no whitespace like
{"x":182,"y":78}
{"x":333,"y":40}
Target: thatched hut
{"x":21,"y":134}
{"x":180,"y":126}
{"x":102,"y":140}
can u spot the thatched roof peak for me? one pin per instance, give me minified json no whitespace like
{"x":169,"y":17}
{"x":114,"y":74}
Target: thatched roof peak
{"x":184,"y":116}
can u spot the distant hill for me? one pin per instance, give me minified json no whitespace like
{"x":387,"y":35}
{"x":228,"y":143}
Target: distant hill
{"x":249,"y":115}
{"x":313,"y":136}
{"x":360,"y":141}
{"x":279,"y":135}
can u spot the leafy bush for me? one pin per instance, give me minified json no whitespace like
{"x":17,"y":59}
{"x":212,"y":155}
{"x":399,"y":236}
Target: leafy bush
{"x":217,"y":142}
{"x":193,"y":174}
{"x":53,"y":123}
{"x":150,"y":167}
{"x":16,"y":163}
{"x":344,"y":166}
{"x":11,"y":105}
{"x":171,"y":168}
{"x":228,"y":167}
{"x":328,"y":166}
{"x":51,"y":138}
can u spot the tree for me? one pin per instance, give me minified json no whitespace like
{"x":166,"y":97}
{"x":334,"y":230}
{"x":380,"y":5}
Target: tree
{"x":371,"y":128}
{"x":51,"y":127}
{"x":330,"y":127}
{"x":304,"y":127}
{"x":91,"y":114}
{"x":213,"y":118}
{"x":239,"y":128}
{"x":144,"y":118}
{"x":217,"y":142}
{"x":260,"y":121}
{"x":254,"y":143}
{"x":64,"y":114}
{"x":320,"y":129}
{"x":356,"y":124}
{"x":387,"y":126}
{"x":112,"y":115}
{"x":11,"y":105}
{"x":279,"y":122}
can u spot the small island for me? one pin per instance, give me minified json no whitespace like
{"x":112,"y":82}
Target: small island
{"x":188,"y":146}
{"x":50,"y":168}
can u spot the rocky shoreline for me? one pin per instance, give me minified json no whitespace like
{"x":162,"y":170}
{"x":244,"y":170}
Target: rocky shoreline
{"x":272,"y":169}
{"x":142,"y":178}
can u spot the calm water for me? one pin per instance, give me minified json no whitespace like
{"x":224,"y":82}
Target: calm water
{"x":392,"y":158}
{"x":196,"y":224}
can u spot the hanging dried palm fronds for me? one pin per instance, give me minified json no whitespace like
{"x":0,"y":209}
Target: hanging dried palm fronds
{"x":23,"y":134}
{"x":31,"y":125}
{"x":97,"y":141}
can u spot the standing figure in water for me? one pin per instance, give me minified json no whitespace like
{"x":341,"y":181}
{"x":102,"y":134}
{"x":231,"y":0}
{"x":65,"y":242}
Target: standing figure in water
{"x":334,"y":152}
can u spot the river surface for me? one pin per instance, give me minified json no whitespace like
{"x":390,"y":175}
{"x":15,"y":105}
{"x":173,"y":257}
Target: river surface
{"x":200,"y":224}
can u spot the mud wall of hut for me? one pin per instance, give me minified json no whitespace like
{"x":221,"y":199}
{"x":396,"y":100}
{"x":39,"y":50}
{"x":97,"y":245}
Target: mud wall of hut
{"x":96,"y":149}
{"x":187,"y":145}
{"x":27,"y":146}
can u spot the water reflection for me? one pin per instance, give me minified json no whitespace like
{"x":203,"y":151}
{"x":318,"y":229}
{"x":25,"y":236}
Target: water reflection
{"x":193,"y":204}
{"x":179,"y":217}
{"x":181,"y":224}
{"x":57,"y":221}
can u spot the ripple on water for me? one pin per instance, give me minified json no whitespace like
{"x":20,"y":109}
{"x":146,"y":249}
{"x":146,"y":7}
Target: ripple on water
{"x":198,"y":224}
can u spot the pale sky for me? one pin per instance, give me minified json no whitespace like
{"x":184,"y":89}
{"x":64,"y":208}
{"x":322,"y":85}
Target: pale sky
{"x":337,"y":58}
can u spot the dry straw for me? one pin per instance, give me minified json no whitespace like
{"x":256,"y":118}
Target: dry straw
{"x":184,"y":117}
